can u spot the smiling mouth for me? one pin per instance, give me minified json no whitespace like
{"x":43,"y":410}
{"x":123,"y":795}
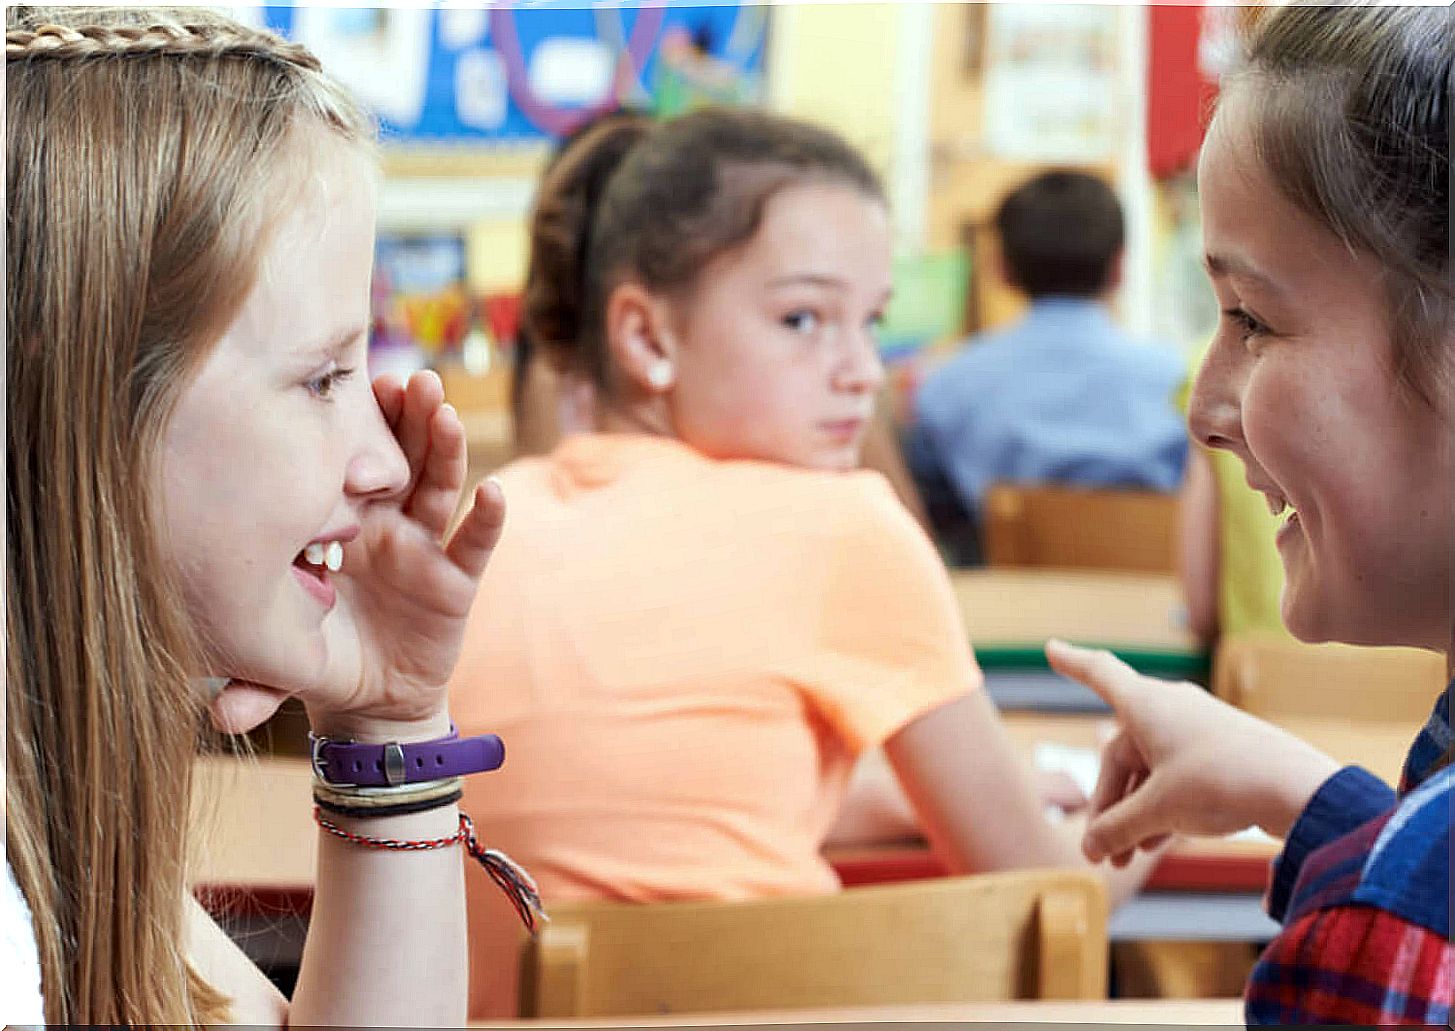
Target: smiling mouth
{"x":312,"y":567}
{"x":319,"y":556}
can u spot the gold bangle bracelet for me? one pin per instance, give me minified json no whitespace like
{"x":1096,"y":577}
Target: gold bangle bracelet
{"x":387,"y":797}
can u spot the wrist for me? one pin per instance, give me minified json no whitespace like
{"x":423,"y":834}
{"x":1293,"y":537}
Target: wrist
{"x":432,"y":823}
{"x":367,"y":730}
{"x":1291,"y":787}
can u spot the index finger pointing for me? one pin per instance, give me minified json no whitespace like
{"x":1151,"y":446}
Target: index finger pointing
{"x":1111,"y":678}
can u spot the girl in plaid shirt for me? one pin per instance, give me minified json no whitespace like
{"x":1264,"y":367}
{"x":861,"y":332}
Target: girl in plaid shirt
{"x":1325,"y":186}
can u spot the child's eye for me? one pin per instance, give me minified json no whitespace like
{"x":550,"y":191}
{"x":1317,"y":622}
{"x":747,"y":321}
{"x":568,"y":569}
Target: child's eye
{"x":802,"y":321}
{"x":1247,"y":325}
{"x":322,"y":387}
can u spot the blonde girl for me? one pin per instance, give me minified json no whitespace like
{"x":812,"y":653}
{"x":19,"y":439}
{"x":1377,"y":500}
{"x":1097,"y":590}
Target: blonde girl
{"x":204,"y":489}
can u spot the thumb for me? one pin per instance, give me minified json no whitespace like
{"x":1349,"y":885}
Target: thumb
{"x":241,"y":706}
{"x":1139,"y":818}
{"x":1112,"y":679}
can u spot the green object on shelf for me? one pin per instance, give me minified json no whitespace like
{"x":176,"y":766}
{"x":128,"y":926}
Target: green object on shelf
{"x":929,"y":299}
{"x":1150,"y":661}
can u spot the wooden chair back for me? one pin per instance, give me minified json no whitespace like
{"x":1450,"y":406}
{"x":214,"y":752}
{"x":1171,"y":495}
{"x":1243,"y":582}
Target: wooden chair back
{"x":1129,"y":530}
{"x":1022,"y":935}
{"x":1275,"y":679}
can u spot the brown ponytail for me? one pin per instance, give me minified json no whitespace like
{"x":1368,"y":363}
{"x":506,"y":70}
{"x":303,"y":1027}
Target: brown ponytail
{"x":560,"y":231}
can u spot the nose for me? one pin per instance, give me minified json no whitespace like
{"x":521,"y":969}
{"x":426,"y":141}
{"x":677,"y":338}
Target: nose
{"x":1214,"y":410}
{"x":862,"y":370}
{"x":377,"y":468}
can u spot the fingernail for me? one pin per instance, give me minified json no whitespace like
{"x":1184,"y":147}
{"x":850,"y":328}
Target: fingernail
{"x":447,"y":407}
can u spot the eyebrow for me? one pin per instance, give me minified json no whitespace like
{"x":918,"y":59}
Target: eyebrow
{"x":1226,"y":265}
{"x":819,"y":279}
{"x":809,"y":279}
{"x":338,"y":342}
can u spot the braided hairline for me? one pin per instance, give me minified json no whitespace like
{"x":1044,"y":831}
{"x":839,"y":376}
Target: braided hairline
{"x":171,"y":40}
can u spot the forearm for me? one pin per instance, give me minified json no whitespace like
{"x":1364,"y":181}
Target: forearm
{"x":1122,"y":882}
{"x":975,"y":794}
{"x":1289,"y":781}
{"x":977,"y":799}
{"x":386,"y":942}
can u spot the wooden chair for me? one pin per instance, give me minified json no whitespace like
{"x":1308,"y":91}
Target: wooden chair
{"x":1126,"y":530}
{"x":1026,"y":934}
{"x":1276,"y":678}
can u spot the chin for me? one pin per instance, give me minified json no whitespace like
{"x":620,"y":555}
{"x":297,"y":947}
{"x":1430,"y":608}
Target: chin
{"x":1320,"y":621}
{"x":1300,"y":612}
{"x":839,"y":460}
{"x":288,"y":662}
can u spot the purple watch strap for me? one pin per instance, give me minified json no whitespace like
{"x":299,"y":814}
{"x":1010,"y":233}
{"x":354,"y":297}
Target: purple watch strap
{"x":361,"y":765}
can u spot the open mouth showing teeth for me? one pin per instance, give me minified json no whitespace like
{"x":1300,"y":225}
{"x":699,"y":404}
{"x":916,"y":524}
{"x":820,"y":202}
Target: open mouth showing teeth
{"x":318,"y":558}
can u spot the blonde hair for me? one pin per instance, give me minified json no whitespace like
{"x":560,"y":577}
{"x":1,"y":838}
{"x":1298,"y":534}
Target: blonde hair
{"x":145,"y":151}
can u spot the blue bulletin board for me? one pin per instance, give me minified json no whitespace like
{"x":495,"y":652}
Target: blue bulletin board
{"x":511,"y":73}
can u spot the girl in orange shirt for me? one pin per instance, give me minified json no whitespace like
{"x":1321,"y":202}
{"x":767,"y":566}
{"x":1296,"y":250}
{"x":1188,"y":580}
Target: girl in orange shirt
{"x":701,"y":614}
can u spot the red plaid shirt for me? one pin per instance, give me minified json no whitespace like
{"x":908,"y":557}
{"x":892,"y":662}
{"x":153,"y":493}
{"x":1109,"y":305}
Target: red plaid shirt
{"x":1363,"y":891}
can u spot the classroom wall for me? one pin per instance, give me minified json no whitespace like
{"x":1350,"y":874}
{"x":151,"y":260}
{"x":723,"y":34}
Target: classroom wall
{"x":897,"y":80}
{"x":827,"y":62}
{"x":836,"y":64}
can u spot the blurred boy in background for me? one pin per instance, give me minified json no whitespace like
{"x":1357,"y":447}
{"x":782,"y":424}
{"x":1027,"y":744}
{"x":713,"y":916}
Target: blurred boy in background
{"x":1063,"y":395}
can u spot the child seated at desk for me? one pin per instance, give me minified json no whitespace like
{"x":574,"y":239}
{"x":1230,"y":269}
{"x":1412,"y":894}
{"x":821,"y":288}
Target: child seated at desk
{"x":699,"y":615}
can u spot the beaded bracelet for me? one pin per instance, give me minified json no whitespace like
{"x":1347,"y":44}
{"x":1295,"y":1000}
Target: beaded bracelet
{"x":509,"y":875}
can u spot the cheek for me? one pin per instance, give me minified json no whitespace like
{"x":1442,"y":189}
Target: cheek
{"x":1291,"y":426}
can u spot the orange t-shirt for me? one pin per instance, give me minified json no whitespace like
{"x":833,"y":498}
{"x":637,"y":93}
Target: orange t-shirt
{"x":684,"y":657}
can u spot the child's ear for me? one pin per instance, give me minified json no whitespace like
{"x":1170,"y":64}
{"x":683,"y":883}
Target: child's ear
{"x":640,"y":338}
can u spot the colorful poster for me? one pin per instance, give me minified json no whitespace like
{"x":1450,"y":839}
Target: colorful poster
{"x":419,"y":297}
{"x":1050,"y":82}
{"x":517,"y":74}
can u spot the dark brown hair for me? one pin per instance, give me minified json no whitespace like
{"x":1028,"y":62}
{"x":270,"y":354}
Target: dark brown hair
{"x":1060,"y":233}
{"x":1349,"y":110}
{"x":672,"y":197}
{"x":570,"y":191}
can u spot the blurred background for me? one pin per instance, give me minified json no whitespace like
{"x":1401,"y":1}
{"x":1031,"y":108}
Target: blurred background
{"x":956,"y":104}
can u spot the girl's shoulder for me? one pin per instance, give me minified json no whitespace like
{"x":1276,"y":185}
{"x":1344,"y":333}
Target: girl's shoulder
{"x":1407,"y":870}
{"x":1397,"y":862}
{"x":863,"y":489}
{"x":855,"y":503}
